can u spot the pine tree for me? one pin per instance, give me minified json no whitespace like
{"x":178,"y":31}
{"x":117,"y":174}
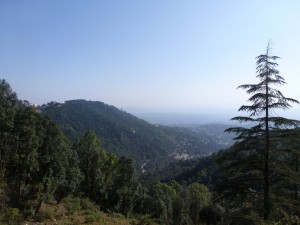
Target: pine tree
{"x":250,"y":165}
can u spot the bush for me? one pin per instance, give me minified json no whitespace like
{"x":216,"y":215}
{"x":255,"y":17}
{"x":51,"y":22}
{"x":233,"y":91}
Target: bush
{"x":91,"y":215}
{"x":72,"y":204}
{"x":86,"y":204}
{"x":11,"y":216}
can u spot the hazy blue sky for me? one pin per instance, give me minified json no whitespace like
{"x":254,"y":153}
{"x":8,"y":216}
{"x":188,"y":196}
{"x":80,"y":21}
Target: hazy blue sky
{"x":155,"y":55}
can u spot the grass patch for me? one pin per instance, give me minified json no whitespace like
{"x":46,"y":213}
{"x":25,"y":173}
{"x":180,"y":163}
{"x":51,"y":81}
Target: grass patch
{"x":73,"y":211}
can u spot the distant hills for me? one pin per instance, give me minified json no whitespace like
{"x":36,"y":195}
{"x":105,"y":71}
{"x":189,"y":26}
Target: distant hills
{"x":148,"y":144}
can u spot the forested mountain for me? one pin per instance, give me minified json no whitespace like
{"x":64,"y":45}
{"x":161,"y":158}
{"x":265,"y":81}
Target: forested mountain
{"x":127,"y":135}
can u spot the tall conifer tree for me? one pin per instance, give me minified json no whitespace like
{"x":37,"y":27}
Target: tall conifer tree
{"x":249,"y":166}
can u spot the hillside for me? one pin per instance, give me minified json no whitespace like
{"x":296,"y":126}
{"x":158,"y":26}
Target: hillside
{"x":202,"y":170}
{"x":126,"y":135}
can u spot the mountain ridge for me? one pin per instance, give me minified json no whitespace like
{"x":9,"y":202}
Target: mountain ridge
{"x":127,"y":135}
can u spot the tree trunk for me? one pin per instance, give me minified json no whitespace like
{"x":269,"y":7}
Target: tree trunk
{"x":266,"y":161}
{"x":38,"y":207}
{"x":295,"y":186}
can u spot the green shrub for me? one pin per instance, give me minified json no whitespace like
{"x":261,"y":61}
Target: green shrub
{"x":86,"y":204}
{"x":11,"y":216}
{"x":72,"y":204}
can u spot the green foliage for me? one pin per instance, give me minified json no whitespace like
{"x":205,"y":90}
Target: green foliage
{"x":91,"y":216}
{"x":40,"y":161}
{"x":90,"y":162}
{"x":199,"y":199}
{"x":72,"y":204}
{"x":36,"y":159}
{"x":86,"y":204}
{"x":175,"y":204}
{"x":8,"y":104}
{"x":11,"y":216}
{"x":202,"y":170}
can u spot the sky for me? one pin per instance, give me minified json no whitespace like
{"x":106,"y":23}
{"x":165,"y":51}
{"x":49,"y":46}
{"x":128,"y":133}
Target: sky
{"x":174,"y":56}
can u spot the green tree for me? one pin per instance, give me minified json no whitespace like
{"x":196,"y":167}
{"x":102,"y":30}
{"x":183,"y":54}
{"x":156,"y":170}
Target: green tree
{"x":249,"y":165}
{"x":159,"y":203}
{"x":23,"y":157}
{"x":73,"y":176}
{"x":199,"y":198}
{"x":58,"y":174}
{"x":8,"y":104}
{"x":41,"y":165}
{"x":125,"y":189}
{"x":286,"y":173}
{"x":90,"y":162}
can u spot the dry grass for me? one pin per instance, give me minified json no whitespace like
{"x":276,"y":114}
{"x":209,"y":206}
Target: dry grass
{"x":60,"y":214}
